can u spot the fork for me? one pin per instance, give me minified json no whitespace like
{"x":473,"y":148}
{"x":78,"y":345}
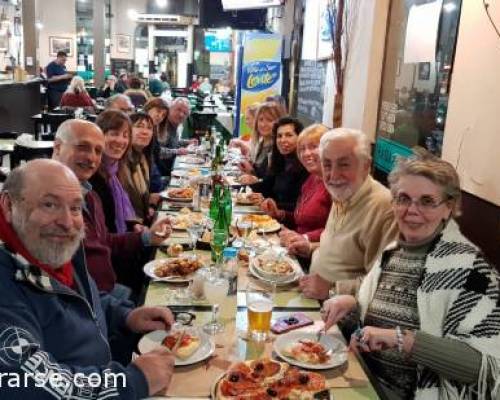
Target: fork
{"x":319,"y":334}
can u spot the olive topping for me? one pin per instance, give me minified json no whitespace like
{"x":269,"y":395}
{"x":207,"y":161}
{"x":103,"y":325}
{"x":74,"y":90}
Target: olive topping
{"x":259,"y":366}
{"x":234,"y":377}
{"x":292,"y":321}
{"x":303,"y":379}
{"x":272,"y":392}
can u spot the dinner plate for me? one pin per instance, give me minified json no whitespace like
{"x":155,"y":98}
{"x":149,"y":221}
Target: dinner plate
{"x":275,"y":226}
{"x":191,"y":160}
{"x":149,"y":270}
{"x":290,"y":279}
{"x":154,"y":339}
{"x":166,"y":196}
{"x":179,"y":173}
{"x":337,"y":358}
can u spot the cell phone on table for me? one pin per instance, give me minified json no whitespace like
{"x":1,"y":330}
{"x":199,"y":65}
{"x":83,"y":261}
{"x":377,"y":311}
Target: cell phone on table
{"x":291,"y":322}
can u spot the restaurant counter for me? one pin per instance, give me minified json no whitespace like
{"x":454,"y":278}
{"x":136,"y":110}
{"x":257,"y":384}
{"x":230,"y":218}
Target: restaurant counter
{"x":18,"y":102}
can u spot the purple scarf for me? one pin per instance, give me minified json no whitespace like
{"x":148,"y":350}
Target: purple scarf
{"x":123,"y":208}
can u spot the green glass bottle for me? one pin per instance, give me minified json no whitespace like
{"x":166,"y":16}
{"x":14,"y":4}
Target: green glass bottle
{"x":228,"y":206}
{"x":214,"y":203}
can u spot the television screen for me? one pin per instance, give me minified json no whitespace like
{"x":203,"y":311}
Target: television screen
{"x":213,"y":16}
{"x":249,"y":4}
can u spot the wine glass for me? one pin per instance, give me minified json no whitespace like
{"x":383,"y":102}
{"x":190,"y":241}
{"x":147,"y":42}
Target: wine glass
{"x":215,"y":288}
{"x":218,"y":242}
{"x":195,"y":230}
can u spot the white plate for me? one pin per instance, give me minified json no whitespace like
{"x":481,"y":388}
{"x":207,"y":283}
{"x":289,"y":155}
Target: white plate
{"x":191,"y":160}
{"x":338,"y":357}
{"x":166,"y":196}
{"x":290,"y":279}
{"x":179,"y":173}
{"x":153,"y":340}
{"x":275,"y":227}
{"x":149,"y":270}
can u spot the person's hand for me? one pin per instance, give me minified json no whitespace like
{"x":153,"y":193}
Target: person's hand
{"x":181,"y":151}
{"x":157,"y":367}
{"x":246,"y":167}
{"x":256,"y":198}
{"x":371,"y":338}
{"x":193,"y":141}
{"x":314,"y":287}
{"x":160,"y":230}
{"x":298,"y":245}
{"x":139,"y":228}
{"x":154,"y":198}
{"x":247,"y":179}
{"x":336,"y":308}
{"x":286,"y":235}
{"x":147,"y":319}
{"x":270,"y":207}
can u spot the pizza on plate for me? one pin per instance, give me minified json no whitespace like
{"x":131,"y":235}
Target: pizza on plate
{"x":308,"y":351}
{"x":181,"y":266}
{"x":266,"y":379}
{"x":188,"y":345}
{"x":181,"y":193}
{"x":260,"y":221}
{"x":186,"y":218}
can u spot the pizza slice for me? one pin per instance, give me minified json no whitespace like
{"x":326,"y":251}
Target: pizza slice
{"x":188,"y":345}
{"x":308,"y":351}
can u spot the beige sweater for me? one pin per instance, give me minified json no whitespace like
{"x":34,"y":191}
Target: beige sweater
{"x":355,"y":233}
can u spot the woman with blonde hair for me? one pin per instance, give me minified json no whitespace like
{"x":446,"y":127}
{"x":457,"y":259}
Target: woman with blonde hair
{"x":261,"y":141}
{"x":309,"y":217}
{"x":430,"y":305}
{"x":76,"y":96}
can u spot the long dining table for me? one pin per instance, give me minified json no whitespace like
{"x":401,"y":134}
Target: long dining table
{"x":350,"y":381}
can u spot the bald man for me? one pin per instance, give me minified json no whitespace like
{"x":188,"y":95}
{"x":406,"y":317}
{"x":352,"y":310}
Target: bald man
{"x":79,"y":145}
{"x":53,"y":322}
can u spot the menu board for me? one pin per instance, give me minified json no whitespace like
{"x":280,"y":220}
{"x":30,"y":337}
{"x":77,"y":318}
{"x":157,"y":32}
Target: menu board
{"x":311,"y":88}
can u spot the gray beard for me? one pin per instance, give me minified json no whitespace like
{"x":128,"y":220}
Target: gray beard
{"x":47,"y":252}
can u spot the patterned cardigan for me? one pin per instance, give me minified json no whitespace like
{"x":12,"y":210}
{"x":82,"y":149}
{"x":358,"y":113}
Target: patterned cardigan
{"x":459,"y":298}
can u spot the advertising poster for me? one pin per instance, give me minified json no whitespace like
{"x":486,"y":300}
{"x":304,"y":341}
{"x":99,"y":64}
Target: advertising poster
{"x":260,"y":72}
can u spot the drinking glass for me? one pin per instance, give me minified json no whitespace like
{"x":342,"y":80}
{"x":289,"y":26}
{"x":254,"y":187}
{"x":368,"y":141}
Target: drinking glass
{"x":215,"y":288}
{"x":218,"y":242}
{"x":195,"y":230}
{"x":244,"y":228}
{"x":259,"y":308}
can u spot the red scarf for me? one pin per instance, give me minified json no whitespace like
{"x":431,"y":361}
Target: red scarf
{"x":63,"y":274}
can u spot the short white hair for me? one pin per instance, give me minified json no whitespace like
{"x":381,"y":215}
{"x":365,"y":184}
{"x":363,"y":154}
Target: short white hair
{"x":179,"y":101}
{"x":77,"y":85}
{"x":362,"y":148}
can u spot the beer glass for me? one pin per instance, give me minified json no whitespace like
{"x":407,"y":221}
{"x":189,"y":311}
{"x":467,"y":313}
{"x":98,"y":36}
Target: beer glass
{"x":259,"y":309}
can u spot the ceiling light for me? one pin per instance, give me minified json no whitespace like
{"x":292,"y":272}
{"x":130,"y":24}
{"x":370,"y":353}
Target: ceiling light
{"x":38,"y":25}
{"x":449,"y":7}
{"x":161,"y":3}
{"x":132,"y":14}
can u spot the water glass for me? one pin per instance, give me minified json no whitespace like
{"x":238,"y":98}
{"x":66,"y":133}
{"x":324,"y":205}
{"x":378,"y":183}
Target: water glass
{"x":218,"y":242}
{"x":216,"y":288}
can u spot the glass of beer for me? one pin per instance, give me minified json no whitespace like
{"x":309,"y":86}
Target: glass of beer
{"x":259,"y":308}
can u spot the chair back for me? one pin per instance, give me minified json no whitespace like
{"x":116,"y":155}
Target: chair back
{"x":27,"y":153}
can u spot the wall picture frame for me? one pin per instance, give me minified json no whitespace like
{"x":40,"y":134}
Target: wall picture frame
{"x":59,"y":43}
{"x":123,"y":43}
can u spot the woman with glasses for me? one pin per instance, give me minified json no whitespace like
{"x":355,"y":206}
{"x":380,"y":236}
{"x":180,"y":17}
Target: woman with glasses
{"x":430,"y":307}
{"x":135,"y":172}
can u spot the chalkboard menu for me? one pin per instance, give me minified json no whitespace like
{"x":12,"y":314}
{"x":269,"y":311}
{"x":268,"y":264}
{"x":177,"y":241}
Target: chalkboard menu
{"x":311,"y":90}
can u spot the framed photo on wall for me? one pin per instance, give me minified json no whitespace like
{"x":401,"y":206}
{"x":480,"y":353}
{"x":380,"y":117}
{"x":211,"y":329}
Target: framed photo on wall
{"x":123,"y":43}
{"x":57,"y":43}
{"x":424,"y":71}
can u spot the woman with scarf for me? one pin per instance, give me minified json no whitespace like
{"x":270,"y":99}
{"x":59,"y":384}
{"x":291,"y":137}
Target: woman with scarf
{"x":117,"y":207}
{"x":134,"y":174}
{"x":429,"y":308}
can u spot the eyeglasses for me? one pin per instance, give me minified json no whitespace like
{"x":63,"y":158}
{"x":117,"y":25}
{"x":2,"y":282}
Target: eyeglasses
{"x":423,"y":204}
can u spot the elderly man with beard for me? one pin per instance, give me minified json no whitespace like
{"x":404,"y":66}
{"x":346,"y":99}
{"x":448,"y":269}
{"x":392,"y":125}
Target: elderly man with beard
{"x":360,"y":223}
{"x":53,"y":322}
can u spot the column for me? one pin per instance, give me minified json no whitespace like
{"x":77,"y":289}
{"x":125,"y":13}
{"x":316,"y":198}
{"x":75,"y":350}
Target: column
{"x":99,"y":44}
{"x":30,"y":37}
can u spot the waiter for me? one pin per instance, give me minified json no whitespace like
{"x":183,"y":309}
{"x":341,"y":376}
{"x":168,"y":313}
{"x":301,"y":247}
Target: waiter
{"x":58,"y":79}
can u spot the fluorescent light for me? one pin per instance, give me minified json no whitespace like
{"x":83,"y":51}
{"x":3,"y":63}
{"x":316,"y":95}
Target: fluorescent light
{"x":449,"y":7}
{"x":161,"y":3}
